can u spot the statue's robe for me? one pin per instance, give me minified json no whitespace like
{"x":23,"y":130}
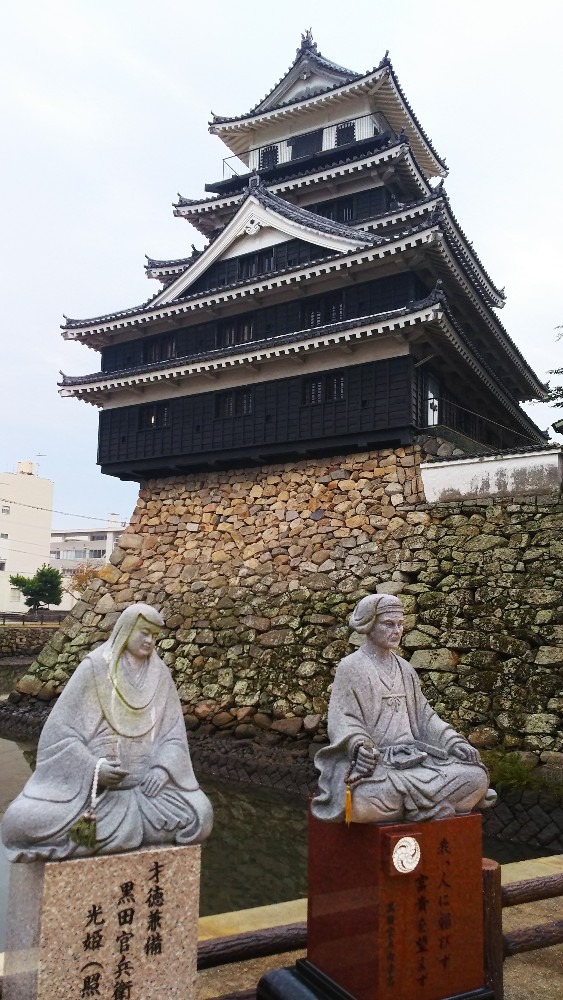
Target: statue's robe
{"x":134,"y":719}
{"x":390,"y":712}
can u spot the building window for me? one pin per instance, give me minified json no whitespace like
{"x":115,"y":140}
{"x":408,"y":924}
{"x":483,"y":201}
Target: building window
{"x":15,"y":594}
{"x":154,"y":417}
{"x":432,"y":402}
{"x":5,"y":510}
{"x":56,"y":555}
{"x":236,"y":331}
{"x":313,"y":392}
{"x":334,"y":388}
{"x":159,"y":349}
{"x":345,"y":133}
{"x":2,"y":565}
{"x":306,"y":145}
{"x":324,"y":389}
{"x":96,"y":554}
{"x":3,"y":535}
{"x":269,"y":156}
{"x":238,"y":403}
{"x":98,"y":536}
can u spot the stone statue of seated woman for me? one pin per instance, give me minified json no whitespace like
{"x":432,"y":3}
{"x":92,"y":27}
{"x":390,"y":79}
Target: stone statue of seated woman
{"x":391,"y":758}
{"x":113,"y":765}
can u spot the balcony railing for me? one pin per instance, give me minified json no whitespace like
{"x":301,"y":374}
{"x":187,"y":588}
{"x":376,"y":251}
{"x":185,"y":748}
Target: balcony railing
{"x":306,"y":144}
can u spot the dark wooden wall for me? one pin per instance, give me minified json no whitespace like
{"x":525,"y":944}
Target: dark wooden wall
{"x":374,"y":404}
{"x":362,"y":299}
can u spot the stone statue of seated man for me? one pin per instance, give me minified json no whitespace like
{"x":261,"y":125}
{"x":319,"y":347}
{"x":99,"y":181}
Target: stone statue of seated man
{"x":391,"y":758}
{"x":113,"y":765}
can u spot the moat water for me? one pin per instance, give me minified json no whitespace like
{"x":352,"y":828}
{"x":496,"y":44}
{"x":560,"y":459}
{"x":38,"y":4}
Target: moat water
{"x":256,"y":855}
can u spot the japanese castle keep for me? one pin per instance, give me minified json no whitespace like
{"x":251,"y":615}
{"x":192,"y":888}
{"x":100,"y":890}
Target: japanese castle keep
{"x":275,"y":399}
{"x":337,"y":306}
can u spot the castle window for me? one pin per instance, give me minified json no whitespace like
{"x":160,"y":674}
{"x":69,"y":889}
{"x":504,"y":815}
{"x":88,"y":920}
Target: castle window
{"x":154,"y":417}
{"x":235,"y":331}
{"x":236,"y":403}
{"x":269,"y":156}
{"x":313,"y":392}
{"x":345,"y":133}
{"x":306,"y":145}
{"x":334,"y":388}
{"x":324,"y":389}
{"x":159,"y":349}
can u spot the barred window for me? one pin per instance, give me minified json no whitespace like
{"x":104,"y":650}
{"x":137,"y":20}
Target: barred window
{"x":313,"y":393}
{"x":334,"y":388}
{"x":345,"y":133}
{"x":235,"y":331}
{"x":237,"y":403}
{"x":268,"y":157}
{"x":324,"y":389}
{"x":159,"y":349}
{"x":154,"y":417}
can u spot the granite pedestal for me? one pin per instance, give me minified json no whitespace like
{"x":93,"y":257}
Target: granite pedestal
{"x":117,"y":927}
{"x":395,"y":912}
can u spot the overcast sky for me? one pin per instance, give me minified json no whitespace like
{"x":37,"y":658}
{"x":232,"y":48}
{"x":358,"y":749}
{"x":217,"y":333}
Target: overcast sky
{"x":105,"y":105}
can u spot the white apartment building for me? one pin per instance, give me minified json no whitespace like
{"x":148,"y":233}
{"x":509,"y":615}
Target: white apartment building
{"x":26,"y":503}
{"x":74,"y":547}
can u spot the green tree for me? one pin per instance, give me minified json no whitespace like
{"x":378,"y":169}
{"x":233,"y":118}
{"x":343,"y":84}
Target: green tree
{"x":556,"y":391}
{"x":46,"y":587}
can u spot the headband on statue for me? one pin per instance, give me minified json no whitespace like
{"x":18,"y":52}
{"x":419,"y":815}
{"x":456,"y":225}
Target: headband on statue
{"x":369,"y":608}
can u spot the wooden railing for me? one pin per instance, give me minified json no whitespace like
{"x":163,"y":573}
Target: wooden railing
{"x":39,"y":618}
{"x":496,"y":897}
{"x":498,"y":946}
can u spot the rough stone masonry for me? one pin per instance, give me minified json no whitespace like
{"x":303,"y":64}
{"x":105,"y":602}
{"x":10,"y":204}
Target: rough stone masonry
{"x":257,"y":570}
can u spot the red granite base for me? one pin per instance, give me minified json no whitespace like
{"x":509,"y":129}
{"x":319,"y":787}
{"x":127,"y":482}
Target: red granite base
{"x":381,"y":934}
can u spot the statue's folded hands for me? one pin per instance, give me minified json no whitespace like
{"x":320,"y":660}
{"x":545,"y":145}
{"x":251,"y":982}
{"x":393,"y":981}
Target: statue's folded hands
{"x":391,"y":757}
{"x":113,"y":765}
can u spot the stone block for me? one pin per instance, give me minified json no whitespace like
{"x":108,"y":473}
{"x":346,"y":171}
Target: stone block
{"x":434,"y":659}
{"x":79,"y":928}
{"x":287,"y":727}
{"x":109,"y":573}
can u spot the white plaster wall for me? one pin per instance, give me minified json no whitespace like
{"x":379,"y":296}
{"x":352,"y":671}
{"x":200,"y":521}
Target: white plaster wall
{"x":265,"y":237}
{"x":323,"y":116}
{"x":494,"y":475}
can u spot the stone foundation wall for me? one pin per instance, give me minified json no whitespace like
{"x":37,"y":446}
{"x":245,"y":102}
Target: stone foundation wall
{"x":256,"y":572}
{"x":22,"y":641}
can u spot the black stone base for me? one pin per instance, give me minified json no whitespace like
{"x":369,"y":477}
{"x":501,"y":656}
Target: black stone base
{"x":304,"y":982}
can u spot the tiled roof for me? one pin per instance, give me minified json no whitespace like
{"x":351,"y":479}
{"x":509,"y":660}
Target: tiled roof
{"x":494,"y":453}
{"x":185,"y":261}
{"x":303,"y":217}
{"x":307,"y":49}
{"x":435,"y":297}
{"x":325,"y":159}
{"x":385,"y":64}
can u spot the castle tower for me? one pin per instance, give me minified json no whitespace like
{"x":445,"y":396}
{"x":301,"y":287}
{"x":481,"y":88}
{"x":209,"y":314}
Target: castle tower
{"x":337,"y":306}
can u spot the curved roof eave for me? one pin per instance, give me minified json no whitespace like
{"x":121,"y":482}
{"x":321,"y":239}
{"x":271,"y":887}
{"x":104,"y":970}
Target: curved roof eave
{"x":377,"y":78}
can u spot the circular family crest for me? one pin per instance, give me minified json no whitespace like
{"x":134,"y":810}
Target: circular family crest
{"x":406,"y":854}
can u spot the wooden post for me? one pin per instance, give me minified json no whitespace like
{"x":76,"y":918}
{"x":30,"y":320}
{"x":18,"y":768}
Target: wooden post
{"x":492,"y":928}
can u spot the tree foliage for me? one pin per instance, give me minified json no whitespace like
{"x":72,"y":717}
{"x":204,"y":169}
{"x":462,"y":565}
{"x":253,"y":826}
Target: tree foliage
{"x":556,"y":391}
{"x":81,"y":576}
{"x":46,"y":587}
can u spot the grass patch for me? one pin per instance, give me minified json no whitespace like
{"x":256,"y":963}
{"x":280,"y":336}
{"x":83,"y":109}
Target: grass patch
{"x":508,"y":770}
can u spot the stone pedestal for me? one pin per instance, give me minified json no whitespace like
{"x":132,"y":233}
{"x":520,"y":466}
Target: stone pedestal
{"x":395,"y":913}
{"x":118,"y":927}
